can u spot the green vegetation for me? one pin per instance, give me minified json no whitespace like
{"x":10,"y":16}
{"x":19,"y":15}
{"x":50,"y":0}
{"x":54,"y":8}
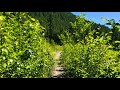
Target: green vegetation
{"x":24,"y":51}
{"x":29,"y":41}
{"x":57,"y":23}
{"x":87,"y":53}
{"x":54,"y":22}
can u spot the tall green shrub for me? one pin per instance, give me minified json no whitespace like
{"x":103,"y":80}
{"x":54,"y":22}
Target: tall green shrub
{"x":91,"y":56}
{"x":24,"y":51}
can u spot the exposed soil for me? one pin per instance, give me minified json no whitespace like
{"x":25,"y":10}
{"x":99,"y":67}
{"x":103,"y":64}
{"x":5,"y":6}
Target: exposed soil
{"x":58,"y":68}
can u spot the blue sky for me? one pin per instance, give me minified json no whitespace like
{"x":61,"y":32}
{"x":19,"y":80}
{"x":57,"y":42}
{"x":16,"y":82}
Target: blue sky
{"x":96,"y":16}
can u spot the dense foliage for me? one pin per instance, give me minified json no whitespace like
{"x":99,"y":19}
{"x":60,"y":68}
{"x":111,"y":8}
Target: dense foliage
{"x":87,"y":53}
{"x":54,"y":22}
{"x":57,"y":23}
{"x":24,"y":53}
{"x":28,"y":44}
{"x":80,"y":29}
{"x":115,"y":33}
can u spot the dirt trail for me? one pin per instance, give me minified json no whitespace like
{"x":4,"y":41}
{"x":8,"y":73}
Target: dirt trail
{"x":58,"y":68}
{"x":57,"y":55}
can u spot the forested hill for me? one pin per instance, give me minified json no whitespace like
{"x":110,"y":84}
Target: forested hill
{"x":57,"y":22}
{"x":54,"y":22}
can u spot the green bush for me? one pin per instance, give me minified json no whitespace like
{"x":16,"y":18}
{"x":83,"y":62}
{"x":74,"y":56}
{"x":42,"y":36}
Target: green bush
{"x":91,"y":56}
{"x":24,"y":53}
{"x":90,"y":61}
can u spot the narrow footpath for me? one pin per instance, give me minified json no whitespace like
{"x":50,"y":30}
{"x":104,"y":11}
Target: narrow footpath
{"x":58,"y":68}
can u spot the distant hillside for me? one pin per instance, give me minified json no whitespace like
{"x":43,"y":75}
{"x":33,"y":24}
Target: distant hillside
{"x":57,"y":22}
{"x":54,"y":22}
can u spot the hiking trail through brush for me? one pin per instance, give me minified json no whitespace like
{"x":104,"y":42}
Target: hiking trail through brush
{"x":58,"y":68}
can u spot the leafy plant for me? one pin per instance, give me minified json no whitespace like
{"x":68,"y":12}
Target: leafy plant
{"x":91,"y":56}
{"x":24,"y":51}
